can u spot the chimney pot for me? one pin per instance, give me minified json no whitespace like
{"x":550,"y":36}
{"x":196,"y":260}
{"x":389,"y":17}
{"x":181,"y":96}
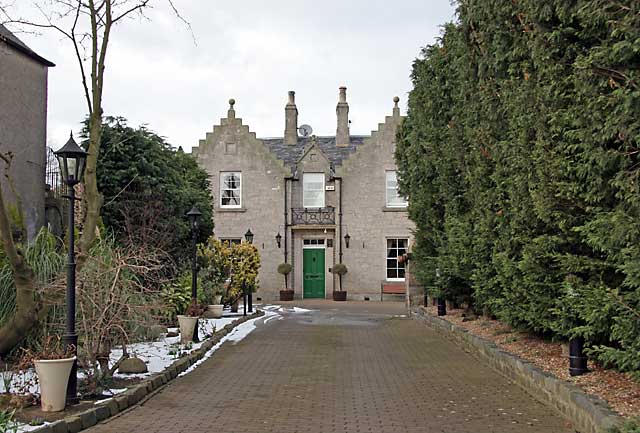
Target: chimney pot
{"x":291,"y":120}
{"x":342,"y":112}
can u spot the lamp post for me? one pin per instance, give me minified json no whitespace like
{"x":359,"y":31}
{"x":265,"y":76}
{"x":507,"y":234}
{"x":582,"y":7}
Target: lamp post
{"x":193,"y":215}
{"x":248,"y":236}
{"x":72,"y":159}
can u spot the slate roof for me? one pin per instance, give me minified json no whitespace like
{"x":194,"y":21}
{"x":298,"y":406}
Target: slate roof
{"x":291,"y":154}
{"x":11,"y":40}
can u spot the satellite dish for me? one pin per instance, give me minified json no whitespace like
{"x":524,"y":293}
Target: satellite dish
{"x":305,"y":130}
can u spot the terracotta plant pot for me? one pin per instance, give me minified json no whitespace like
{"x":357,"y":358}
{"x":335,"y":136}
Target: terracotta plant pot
{"x":214,"y":311}
{"x":187,"y":327}
{"x":339,"y":295}
{"x":286,"y":295}
{"x":53,"y":375}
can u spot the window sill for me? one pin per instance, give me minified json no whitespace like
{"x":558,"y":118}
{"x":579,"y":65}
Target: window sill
{"x":395,"y":209}
{"x":230,"y":209}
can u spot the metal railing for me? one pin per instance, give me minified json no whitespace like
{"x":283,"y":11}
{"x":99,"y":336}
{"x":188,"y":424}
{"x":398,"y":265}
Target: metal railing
{"x":312,"y":216}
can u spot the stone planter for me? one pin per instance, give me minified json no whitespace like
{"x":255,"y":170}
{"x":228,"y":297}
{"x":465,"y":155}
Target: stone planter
{"x":187,"y":328}
{"x":214,"y":311}
{"x":53,"y":375}
{"x":340,"y":295}
{"x":286,"y":295}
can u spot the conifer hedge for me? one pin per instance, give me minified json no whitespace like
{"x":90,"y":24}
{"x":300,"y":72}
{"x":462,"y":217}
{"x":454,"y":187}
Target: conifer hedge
{"x":520,"y":157}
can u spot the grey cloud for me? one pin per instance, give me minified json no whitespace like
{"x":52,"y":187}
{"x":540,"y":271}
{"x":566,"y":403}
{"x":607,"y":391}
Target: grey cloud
{"x":254,"y":51}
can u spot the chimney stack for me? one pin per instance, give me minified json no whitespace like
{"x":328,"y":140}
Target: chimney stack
{"x":342,"y":111}
{"x":291,"y":121}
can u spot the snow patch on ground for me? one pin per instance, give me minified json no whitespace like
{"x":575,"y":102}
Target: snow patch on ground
{"x":158,"y":355}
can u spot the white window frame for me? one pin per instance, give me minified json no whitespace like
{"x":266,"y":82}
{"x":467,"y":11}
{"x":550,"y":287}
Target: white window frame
{"x":398,"y":265}
{"x":230,"y":241}
{"x":402,"y":201}
{"x":306,"y":176}
{"x":222,"y":188}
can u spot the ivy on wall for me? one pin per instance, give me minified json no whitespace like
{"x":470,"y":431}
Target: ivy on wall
{"x":520,"y":158}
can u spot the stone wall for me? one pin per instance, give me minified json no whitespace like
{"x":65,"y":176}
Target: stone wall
{"x":23,"y":125}
{"x":232,"y":147}
{"x":366,"y":218}
{"x":361,"y":180}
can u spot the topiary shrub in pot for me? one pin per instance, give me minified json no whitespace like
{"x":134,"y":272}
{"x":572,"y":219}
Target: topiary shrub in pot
{"x":340,"y":269}
{"x":284,"y":269}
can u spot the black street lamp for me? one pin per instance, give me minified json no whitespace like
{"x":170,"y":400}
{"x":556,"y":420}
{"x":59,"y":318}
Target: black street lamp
{"x":194,"y":214}
{"x":72,"y":159}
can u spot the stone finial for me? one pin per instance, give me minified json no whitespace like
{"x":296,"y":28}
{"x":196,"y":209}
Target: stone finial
{"x":291,"y":121}
{"x":342,"y":112}
{"x":396,"y":109}
{"x":231,"y":114}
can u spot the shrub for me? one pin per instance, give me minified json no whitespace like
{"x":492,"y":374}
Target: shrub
{"x":339,"y":269}
{"x":519,"y":156}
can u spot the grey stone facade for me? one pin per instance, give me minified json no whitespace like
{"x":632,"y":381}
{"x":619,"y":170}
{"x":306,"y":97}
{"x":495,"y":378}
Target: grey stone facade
{"x":272,"y":173}
{"x":23,"y":125}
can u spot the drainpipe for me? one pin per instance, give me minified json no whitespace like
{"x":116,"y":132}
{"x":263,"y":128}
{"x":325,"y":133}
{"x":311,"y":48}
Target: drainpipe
{"x":286,"y":218}
{"x":340,"y":217}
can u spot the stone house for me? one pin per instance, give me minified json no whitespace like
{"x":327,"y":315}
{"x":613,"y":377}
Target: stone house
{"x":312,"y":202}
{"x":23,"y":125}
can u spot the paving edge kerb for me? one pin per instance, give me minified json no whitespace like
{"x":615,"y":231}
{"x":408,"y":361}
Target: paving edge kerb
{"x":139,"y":392}
{"x":587,"y":413}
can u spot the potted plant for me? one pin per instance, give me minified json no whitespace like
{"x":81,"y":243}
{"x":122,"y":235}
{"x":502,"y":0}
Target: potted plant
{"x":187,"y":322}
{"x":53,"y":366}
{"x":285,"y":269}
{"x":339,"y":269}
{"x":214,"y":310}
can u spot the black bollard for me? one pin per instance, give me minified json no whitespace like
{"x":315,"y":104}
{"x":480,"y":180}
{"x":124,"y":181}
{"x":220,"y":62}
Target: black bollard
{"x":577,"y":358}
{"x":426,"y":300}
{"x":442,"y":307}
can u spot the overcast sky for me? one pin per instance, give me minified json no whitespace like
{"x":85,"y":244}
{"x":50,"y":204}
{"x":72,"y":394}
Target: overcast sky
{"x":254,"y":51}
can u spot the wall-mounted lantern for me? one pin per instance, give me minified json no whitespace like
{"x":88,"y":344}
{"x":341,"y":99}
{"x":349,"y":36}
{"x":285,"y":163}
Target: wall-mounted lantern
{"x":347,"y":238}
{"x":279,"y":239}
{"x":248,"y":236}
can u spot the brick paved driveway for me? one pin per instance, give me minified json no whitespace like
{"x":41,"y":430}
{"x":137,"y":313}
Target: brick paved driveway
{"x":353,"y":367}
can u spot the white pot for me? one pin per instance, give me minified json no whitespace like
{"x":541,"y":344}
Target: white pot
{"x":53,"y":375}
{"x":187,"y":326}
{"x":213,"y":311}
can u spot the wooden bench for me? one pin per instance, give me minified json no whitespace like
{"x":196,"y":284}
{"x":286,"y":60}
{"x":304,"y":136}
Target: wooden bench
{"x":392,"y":289}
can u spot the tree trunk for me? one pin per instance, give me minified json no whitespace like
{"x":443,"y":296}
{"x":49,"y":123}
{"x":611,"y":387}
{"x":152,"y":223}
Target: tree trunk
{"x":92,"y":198}
{"x":26,"y":314}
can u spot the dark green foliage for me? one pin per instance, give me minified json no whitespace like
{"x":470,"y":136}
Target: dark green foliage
{"x":285,"y":268}
{"x":629,"y":426}
{"x":148,"y":187}
{"x":520,"y":158}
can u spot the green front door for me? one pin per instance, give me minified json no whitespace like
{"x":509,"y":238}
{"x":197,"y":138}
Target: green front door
{"x":313,"y":271}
